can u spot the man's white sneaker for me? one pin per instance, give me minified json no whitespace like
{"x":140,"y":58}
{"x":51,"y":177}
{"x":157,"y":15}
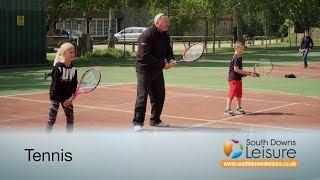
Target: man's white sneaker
{"x":137,"y":128}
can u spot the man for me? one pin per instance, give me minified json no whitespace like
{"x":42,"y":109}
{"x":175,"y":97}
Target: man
{"x":154,"y":54}
{"x":305,"y":47}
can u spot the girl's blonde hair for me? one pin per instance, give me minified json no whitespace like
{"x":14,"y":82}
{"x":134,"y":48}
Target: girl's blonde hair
{"x":60,"y":53}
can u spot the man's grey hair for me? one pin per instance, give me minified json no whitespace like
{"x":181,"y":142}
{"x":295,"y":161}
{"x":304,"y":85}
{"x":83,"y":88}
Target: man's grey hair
{"x":158,"y":16}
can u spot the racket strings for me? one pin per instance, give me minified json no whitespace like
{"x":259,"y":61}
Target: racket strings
{"x":90,"y":80}
{"x":264,"y":67}
{"x":193,"y":53}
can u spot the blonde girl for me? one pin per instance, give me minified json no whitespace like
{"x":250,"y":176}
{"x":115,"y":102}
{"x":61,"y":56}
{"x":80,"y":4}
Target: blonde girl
{"x":63,"y":85}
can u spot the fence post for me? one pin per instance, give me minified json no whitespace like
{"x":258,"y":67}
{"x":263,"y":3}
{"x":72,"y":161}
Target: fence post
{"x":133,"y":47}
{"x":266,"y":42}
{"x":213,"y":44}
{"x":171,"y":41}
{"x":231,"y":44}
{"x":78,"y":47}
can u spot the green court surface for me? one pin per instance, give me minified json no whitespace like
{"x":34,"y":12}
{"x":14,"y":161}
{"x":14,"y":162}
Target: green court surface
{"x":210,"y":72}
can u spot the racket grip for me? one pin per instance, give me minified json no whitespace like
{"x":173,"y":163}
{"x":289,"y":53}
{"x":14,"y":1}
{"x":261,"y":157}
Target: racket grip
{"x":254,"y":74}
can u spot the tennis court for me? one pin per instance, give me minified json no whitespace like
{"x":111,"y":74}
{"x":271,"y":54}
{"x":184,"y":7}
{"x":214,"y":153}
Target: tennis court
{"x":195,"y":97}
{"x":197,"y":109}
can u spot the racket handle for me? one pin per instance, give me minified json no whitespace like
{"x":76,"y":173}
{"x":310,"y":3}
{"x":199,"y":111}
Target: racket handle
{"x":179,"y":58}
{"x":254,"y":74}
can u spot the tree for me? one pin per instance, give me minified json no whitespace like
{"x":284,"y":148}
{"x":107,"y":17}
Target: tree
{"x":115,"y":5}
{"x":58,"y":10}
{"x":256,"y":17}
{"x":182,"y":16}
{"x":302,"y":12}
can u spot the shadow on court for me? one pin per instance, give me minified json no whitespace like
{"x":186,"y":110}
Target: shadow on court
{"x":274,"y":114}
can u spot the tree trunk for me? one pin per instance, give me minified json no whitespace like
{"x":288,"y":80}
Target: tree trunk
{"x":206,"y":36}
{"x":239,"y":23}
{"x":88,"y":25}
{"x":111,"y":29}
{"x":214,"y":38}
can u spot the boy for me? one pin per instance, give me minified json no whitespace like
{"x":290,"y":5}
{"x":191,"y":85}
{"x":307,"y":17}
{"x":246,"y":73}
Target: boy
{"x":235,"y":79}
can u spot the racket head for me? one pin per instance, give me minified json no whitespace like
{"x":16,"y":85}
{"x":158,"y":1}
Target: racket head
{"x":89,"y":81}
{"x":263,"y":67}
{"x":193,"y":52}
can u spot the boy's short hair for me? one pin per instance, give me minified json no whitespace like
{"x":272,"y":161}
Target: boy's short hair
{"x":238,"y":45}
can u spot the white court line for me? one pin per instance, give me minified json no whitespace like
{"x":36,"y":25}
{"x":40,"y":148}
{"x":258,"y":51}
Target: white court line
{"x":14,"y":85}
{"x":297,"y":64}
{"x":309,"y":76}
{"x":315,"y":74}
{"x":251,"y":89}
{"x":275,"y":71}
{"x":39,"y":92}
{"x":219,"y":97}
{"x":209,"y":121}
{"x":256,"y":125}
{"x":222,"y":88}
{"x":24,"y":117}
{"x":172,"y":97}
{"x":22,"y":94}
{"x":238,"y":116}
{"x":37,"y":116}
{"x":60,"y":114}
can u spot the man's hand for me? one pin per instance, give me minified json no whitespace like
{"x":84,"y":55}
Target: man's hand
{"x":172,"y":63}
{"x":166,"y":66}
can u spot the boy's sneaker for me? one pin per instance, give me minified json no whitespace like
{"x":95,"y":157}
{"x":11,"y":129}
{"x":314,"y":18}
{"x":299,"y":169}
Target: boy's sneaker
{"x":229,"y":112}
{"x":137,"y":128}
{"x":240,"y":111}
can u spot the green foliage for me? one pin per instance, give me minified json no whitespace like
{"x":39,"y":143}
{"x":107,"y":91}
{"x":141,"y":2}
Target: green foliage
{"x":181,"y":24}
{"x":253,"y":17}
{"x":185,"y":14}
{"x":59,"y":9}
{"x":288,"y":23}
{"x":302,"y":12}
{"x":107,"y":53}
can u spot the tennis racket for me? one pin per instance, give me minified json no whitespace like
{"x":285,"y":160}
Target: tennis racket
{"x":89,"y":81}
{"x":303,"y":50}
{"x":192,"y":53}
{"x":263,"y":67}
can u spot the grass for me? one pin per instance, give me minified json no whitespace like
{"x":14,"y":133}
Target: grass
{"x":210,"y":71}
